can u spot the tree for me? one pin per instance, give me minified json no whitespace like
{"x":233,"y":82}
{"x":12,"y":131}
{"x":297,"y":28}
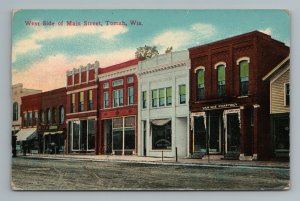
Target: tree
{"x":169,"y":49}
{"x":146,"y":52}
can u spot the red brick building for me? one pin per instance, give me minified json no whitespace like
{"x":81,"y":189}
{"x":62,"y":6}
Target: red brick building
{"x":118,"y":108}
{"x":81,"y":109}
{"x":229,"y":103}
{"x":43,"y":116}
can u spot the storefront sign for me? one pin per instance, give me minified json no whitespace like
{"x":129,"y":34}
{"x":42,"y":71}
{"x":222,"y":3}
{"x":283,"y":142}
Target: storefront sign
{"x":220,"y":106}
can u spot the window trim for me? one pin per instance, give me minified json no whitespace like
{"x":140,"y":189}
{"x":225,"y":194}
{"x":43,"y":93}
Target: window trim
{"x":118,"y":84}
{"x":144,"y":106}
{"x":197,"y":84}
{"x":181,"y":103}
{"x":118,"y":98}
{"x":285,"y":94}
{"x":104,"y":106}
{"x":128,"y":97}
{"x":239,"y":65}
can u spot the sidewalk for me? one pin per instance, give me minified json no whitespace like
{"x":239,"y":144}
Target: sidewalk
{"x":212,"y":161}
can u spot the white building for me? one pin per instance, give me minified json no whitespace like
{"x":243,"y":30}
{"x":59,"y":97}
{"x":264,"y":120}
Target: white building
{"x":163,"y":105}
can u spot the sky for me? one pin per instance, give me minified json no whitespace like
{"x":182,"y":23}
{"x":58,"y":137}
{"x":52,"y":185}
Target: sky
{"x":41,"y":54}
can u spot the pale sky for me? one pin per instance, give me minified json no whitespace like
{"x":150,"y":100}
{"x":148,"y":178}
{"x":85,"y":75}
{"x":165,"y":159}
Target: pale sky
{"x":41,"y":55}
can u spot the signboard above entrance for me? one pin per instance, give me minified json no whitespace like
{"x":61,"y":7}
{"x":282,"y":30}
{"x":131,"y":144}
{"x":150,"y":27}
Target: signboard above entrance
{"x":220,"y":106}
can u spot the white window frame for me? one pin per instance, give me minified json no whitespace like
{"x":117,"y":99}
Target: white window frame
{"x":130,"y":79}
{"x":128,"y":97}
{"x":118,"y":98}
{"x":104,"y":94}
{"x":117,"y":82}
{"x":105,"y":85}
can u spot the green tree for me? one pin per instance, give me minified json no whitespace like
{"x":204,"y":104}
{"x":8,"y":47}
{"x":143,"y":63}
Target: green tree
{"x":146,"y":52}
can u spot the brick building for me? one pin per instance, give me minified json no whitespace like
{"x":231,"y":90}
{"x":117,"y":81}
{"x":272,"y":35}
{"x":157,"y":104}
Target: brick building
{"x":118,"y":108}
{"x":81,"y":109}
{"x":229,"y":103}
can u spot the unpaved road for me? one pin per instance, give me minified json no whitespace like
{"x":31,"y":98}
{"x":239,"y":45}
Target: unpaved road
{"x":30,"y":174}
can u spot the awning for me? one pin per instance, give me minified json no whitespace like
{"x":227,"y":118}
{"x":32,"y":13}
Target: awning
{"x":26,"y":134}
{"x":53,"y":132}
{"x":160,"y":122}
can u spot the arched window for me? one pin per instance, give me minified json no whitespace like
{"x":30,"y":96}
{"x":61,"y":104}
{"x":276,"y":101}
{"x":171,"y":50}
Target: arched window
{"x":48,"y":116}
{"x":61,"y":114}
{"x":42,"y":117}
{"x":200,"y":84}
{"x":53,"y":116}
{"x":15,"y":111}
{"x":221,"y":80}
{"x":244,"y":77}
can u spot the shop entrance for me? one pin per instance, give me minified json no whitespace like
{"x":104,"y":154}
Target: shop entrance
{"x":107,"y":136}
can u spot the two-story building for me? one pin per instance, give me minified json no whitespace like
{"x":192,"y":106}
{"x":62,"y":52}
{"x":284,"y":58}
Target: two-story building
{"x":81,"y":108}
{"x":279,"y":80}
{"x":229,"y":103}
{"x":118,"y":108}
{"x":163,"y":110}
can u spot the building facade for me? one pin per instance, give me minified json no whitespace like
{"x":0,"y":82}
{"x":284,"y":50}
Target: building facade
{"x":118,"y":86}
{"x":163,"y":105}
{"x":279,"y":80}
{"x":228,"y":103}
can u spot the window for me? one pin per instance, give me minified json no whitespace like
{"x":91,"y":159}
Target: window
{"x":15,"y":111}
{"x":106,"y":100}
{"x":53,"y":116}
{"x":221,"y":80}
{"x":81,"y":102}
{"x":169,"y":96}
{"x":162,"y":97}
{"x":130,"y":95}
{"x":43,"y":117}
{"x":36,"y":117}
{"x":30,"y":119}
{"x":61,"y":114}
{"x":24,"y":119}
{"x":117,"y":82}
{"x":200,"y":84}
{"x":182,"y":94}
{"x":118,"y":97}
{"x":130,"y":80}
{"x":287,"y":94}
{"x":48,"y":116}
{"x":105,"y":85}
{"x":154,"y":98}
{"x":72,"y":103}
{"x":244,"y":77}
{"x":144,"y":96}
{"x":161,"y":135}
{"x":90,"y":99}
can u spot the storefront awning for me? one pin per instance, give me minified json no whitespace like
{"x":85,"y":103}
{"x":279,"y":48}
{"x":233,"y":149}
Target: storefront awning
{"x":26,"y":134}
{"x":53,"y":132}
{"x":160,"y":122}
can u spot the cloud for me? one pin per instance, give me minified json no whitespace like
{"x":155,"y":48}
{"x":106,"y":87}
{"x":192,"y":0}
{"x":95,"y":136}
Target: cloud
{"x":33,"y":41}
{"x":266,"y":31}
{"x":181,"y":38}
{"x":51,"y":72}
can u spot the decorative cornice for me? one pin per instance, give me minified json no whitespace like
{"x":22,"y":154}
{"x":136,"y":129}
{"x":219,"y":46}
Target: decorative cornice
{"x":118,"y":73}
{"x":163,"y":67}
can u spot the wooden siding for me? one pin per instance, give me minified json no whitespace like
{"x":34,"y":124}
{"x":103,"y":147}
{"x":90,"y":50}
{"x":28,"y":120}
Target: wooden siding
{"x":277,"y":93}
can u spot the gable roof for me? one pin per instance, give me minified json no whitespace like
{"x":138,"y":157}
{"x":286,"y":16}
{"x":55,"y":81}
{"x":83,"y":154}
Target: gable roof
{"x":281,"y":66}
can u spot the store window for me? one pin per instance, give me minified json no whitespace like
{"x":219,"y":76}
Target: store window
{"x":91,"y":134}
{"x":15,"y":111}
{"x":90,"y":99}
{"x":130,"y":95}
{"x":221,"y":80}
{"x":161,"y":134}
{"x":144,"y":101}
{"x":105,"y":100}
{"x":182,"y":94}
{"x":118,"y":98}
{"x":81,"y":102}
{"x":287,"y":94}
{"x":154,"y":97}
{"x":169,"y":96}
{"x":162,"y":94}
{"x":83,"y":135}
{"x":200,"y":84}
{"x":244,"y":77}
{"x":75,"y":135}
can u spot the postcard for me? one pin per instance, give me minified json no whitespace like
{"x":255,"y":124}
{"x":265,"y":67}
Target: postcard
{"x":150,"y":100}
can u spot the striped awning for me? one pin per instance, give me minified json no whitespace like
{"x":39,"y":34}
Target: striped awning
{"x":26,"y":134}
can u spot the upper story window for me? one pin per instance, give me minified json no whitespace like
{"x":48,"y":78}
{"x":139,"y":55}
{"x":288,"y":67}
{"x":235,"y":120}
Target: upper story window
{"x":286,"y":94}
{"x":36,"y":117}
{"x":182,"y":94}
{"x":169,"y":95}
{"x":42,"y":117}
{"x":144,"y":100}
{"x":118,"y":98}
{"x":48,"y":116}
{"x":130,"y":80}
{"x":130,"y":95}
{"x":53,"y":116}
{"x":90,"y":99}
{"x":30,"y":119}
{"x":105,"y":85}
{"x":61,"y":114}
{"x":162,"y":95}
{"x":200,"y":84}
{"x":72,"y":103}
{"x":221,"y":80}
{"x":105,"y":100}
{"x":244,"y":77}
{"x":81,"y":102}
{"x":15,"y":111}
{"x":24,"y":119}
{"x":154,"y":97}
{"x":117,"y":82}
